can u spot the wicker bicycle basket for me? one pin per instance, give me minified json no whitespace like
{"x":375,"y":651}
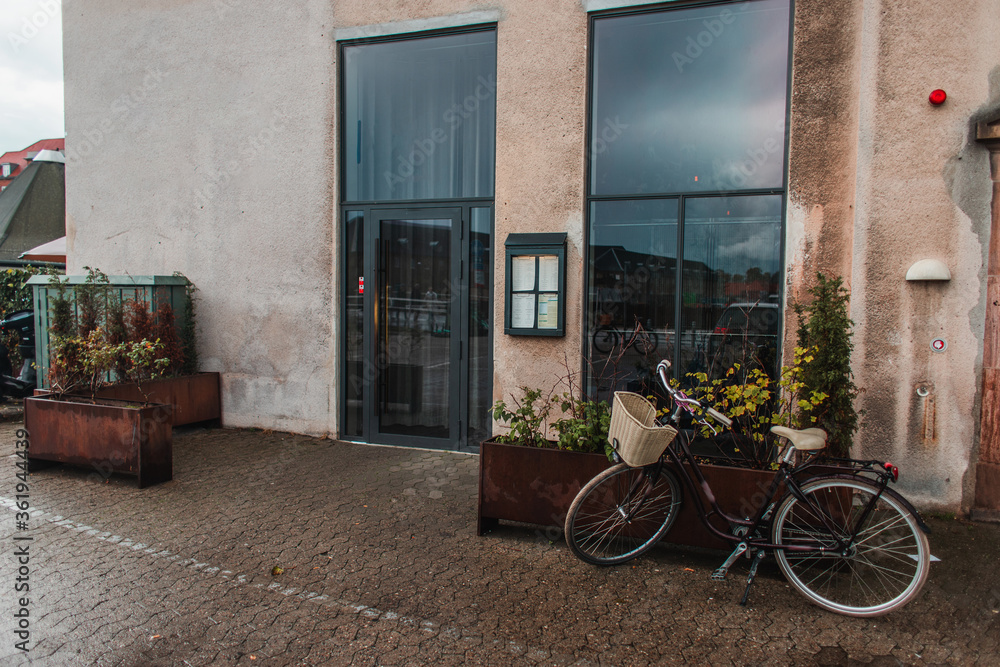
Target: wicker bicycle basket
{"x":634,"y":433}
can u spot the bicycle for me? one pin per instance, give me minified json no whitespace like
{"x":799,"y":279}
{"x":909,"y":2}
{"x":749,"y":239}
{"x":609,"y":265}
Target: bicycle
{"x":606,"y":338}
{"x":845,"y":541}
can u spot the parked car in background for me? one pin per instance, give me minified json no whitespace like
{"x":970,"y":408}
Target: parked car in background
{"x":746,"y":333}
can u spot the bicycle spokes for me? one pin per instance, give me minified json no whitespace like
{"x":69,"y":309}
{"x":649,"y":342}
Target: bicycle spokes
{"x":851,"y":547}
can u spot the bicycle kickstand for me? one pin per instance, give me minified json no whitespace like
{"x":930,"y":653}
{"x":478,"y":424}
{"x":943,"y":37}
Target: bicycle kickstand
{"x":757,"y":558}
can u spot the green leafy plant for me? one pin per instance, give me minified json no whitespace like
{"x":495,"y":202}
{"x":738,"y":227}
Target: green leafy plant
{"x":15,"y":294}
{"x":584,"y":426}
{"x":91,"y":301}
{"x":755,"y":401}
{"x":582,"y":423}
{"x":64,"y":345}
{"x":825,"y":328}
{"x":61,"y":309}
{"x":526,"y":419}
{"x":146,"y":360}
{"x":187,"y":336}
{"x":116,"y":329}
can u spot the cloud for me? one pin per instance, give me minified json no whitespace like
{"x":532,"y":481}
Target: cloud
{"x":31,"y":73}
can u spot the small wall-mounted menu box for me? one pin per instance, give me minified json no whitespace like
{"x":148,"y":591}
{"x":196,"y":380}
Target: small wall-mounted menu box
{"x":535,"y":285}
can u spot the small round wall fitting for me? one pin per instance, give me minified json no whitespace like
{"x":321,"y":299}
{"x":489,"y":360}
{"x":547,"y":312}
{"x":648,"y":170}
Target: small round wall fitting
{"x":937,"y":97}
{"x":939,"y":345}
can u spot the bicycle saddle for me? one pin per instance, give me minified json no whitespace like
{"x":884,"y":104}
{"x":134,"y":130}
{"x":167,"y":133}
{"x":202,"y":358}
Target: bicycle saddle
{"x":806,"y":440}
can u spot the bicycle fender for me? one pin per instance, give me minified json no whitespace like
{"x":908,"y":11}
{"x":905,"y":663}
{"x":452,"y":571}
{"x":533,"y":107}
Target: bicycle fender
{"x":892,"y":492}
{"x":906,"y":503}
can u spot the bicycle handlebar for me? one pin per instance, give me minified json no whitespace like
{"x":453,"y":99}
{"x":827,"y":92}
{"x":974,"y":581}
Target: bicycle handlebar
{"x":688,"y":404}
{"x":719,"y":417}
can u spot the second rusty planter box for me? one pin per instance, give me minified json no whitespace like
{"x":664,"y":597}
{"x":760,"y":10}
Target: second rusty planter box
{"x":530,"y":484}
{"x":195,"y":398}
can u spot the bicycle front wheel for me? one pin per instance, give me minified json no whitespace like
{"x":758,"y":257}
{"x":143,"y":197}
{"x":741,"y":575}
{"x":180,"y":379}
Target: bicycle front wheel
{"x":621,"y":513}
{"x":880,"y":569}
{"x":605,"y":339}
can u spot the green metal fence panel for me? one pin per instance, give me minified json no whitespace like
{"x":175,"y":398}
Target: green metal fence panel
{"x":153,"y":290}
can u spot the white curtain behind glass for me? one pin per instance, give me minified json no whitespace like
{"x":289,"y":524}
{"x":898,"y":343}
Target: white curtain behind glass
{"x":419,"y":118}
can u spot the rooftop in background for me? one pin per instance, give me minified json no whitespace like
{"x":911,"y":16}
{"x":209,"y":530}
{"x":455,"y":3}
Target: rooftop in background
{"x":33,"y":207}
{"x":13,"y":163}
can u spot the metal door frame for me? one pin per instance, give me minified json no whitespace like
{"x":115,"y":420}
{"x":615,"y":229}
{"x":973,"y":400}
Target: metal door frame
{"x":457,"y":375}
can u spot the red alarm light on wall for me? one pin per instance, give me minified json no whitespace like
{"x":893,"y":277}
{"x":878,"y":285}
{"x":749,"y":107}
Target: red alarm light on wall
{"x":937,"y":97}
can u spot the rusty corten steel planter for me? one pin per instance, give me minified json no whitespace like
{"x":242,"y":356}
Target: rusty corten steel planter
{"x":195,"y":398}
{"x":739,"y":491}
{"x":108,"y":435}
{"x":537,"y":486}
{"x":530,"y":484}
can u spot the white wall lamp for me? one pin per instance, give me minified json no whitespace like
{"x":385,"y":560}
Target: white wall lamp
{"x":928,"y":269}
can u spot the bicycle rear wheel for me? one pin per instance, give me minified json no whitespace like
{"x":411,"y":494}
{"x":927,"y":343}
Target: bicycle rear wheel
{"x":646,"y":341}
{"x":621,"y":513}
{"x":882,"y":569}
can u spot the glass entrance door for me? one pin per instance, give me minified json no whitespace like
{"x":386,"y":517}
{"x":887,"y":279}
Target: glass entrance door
{"x":415,"y":348}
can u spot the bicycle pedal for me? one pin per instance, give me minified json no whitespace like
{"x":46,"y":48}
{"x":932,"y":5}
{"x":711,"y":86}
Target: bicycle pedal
{"x":722,"y":570}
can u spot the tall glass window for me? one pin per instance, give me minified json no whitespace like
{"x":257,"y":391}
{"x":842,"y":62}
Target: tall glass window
{"x":419,"y":122}
{"x":686,"y":189}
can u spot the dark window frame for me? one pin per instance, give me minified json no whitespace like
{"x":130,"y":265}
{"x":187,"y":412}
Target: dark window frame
{"x":367,"y":207}
{"x":590,"y":198}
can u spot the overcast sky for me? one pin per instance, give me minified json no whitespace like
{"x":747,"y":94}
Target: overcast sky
{"x":31,"y":73}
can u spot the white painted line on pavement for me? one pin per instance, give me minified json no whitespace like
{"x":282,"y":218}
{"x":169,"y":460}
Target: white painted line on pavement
{"x":371,"y":613}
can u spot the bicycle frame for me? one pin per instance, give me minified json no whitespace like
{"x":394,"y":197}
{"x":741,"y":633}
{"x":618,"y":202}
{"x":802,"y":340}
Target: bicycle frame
{"x":841,"y":537}
{"x":786,"y":474}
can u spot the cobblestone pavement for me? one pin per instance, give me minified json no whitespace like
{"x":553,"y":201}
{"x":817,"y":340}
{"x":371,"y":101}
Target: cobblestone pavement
{"x":381,"y":566}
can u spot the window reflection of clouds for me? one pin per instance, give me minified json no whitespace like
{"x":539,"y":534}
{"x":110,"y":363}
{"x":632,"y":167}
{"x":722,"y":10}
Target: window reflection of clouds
{"x":648,"y":227}
{"x":702,"y":118}
{"x":697,"y":96}
{"x":734,"y":234}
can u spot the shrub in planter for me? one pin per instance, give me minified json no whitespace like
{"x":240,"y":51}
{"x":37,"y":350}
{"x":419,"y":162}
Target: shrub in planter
{"x":146,"y":355}
{"x":108,"y":338}
{"x":113,"y":436}
{"x":526,"y":476}
{"x":825,"y":327}
{"x":755,"y":401}
{"x":111,"y":406}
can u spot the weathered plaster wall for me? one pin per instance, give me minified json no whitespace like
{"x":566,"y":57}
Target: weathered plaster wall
{"x":822,"y":145}
{"x":200,"y":139}
{"x":541,"y":97}
{"x":923,"y":192}
{"x":878,"y":179}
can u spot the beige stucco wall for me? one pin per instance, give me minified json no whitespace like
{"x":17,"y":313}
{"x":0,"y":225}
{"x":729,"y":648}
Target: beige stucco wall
{"x":923,"y":192}
{"x":211,"y":133}
{"x":878,"y":179}
{"x":200,"y":139}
